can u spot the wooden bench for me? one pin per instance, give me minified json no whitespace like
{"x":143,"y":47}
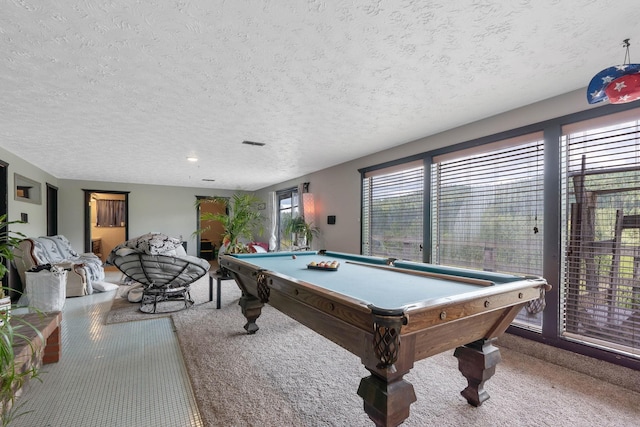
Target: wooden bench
{"x":38,"y":344}
{"x":46,"y":347}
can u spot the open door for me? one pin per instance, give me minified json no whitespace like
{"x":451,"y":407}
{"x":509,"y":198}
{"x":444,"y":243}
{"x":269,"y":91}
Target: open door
{"x":52,"y":210}
{"x":4,"y":207}
{"x":211,"y":239}
{"x":106,"y":222}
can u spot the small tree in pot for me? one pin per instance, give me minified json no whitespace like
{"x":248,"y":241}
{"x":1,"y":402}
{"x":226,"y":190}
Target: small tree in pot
{"x":303,"y":232}
{"x":241,"y":221}
{"x":8,"y":242}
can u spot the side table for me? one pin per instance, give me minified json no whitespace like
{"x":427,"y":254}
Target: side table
{"x":214,"y":274}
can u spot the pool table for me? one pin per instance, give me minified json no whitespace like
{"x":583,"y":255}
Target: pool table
{"x":390,"y":313}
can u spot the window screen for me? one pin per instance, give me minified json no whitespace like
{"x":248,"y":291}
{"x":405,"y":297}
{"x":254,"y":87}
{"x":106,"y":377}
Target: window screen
{"x":601,"y":293}
{"x":393,"y":212}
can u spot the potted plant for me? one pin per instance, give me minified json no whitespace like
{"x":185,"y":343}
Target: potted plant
{"x":303,"y":232}
{"x":240,"y":221}
{"x":8,"y":241}
{"x":12,"y":375}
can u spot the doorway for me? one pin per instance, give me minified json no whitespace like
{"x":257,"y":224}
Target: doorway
{"x":4,"y":209}
{"x":106,"y":222}
{"x":210,"y":239}
{"x":52,"y":210}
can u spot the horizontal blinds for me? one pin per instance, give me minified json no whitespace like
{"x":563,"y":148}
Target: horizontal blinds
{"x":393,"y":206}
{"x":491,"y":147}
{"x":488,"y":209}
{"x":390,"y":170}
{"x":601,"y":294}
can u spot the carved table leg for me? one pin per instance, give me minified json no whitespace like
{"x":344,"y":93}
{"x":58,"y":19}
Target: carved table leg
{"x":386,"y":395}
{"x":251,"y":309}
{"x":386,"y":402}
{"x":477,"y":362}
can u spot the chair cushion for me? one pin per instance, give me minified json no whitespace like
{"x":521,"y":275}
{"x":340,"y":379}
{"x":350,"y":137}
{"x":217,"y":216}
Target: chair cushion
{"x":152,"y":244}
{"x":101,"y":286}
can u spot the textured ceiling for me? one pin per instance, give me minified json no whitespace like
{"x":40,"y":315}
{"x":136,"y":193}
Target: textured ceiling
{"x":125,"y":91}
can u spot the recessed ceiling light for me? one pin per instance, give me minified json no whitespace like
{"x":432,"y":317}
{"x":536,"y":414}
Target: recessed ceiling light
{"x":259,"y":144}
{"x":192,"y":158}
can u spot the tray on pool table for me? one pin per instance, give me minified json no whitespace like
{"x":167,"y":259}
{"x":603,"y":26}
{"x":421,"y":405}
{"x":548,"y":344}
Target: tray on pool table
{"x":317,"y":267}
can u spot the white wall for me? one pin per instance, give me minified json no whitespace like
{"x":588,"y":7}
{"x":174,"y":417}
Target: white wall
{"x":165,"y":209}
{"x":337,"y":190}
{"x":37,"y":213}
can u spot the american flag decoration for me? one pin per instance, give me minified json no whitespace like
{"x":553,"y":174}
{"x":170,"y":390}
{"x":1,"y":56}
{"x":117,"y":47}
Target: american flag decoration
{"x":618,"y":84}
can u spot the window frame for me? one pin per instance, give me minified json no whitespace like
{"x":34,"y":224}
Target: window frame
{"x":392,"y":172}
{"x":292,"y":193}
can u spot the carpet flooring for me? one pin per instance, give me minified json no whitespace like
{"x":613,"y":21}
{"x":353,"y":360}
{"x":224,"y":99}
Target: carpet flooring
{"x":287,"y":375}
{"x":124,"y":311}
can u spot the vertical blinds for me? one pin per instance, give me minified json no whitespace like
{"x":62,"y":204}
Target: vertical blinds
{"x":488,"y":207}
{"x":393,"y":212}
{"x":601,"y":294}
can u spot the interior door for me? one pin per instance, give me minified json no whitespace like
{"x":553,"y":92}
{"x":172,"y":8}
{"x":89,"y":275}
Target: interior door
{"x":4,"y":207}
{"x":52,"y":210}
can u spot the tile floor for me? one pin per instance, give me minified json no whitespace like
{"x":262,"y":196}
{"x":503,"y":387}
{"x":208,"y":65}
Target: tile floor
{"x":126,"y":375}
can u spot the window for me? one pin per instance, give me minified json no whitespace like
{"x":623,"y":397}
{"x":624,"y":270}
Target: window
{"x":601,"y":292}
{"x":558,"y":199}
{"x":487,"y":209}
{"x":393,"y":212}
{"x":288,"y":207}
{"x":110,"y":213}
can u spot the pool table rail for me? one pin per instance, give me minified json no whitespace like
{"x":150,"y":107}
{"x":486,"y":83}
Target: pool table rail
{"x":433,"y":312}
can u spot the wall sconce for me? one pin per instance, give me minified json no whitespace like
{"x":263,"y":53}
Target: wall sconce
{"x":308,"y":208}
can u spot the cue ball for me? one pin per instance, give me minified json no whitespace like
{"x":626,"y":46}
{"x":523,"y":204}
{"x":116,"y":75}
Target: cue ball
{"x":293,"y":256}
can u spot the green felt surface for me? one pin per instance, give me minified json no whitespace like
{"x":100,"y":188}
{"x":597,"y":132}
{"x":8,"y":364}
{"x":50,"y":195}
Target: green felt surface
{"x":383,"y":289}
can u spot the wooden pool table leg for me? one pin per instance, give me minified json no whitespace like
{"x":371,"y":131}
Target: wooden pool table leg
{"x":477,"y":362}
{"x":251,"y":309}
{"x":386,"y":402}
{"x":386,"y":394}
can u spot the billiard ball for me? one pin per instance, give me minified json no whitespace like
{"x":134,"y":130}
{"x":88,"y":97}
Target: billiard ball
{"x":293,"y":256}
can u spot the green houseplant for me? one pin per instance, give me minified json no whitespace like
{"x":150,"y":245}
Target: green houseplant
{"x":12,"y":374}
{"x":302,"y":231}
{"x":240,"y":221}
{"x":8,"y":241}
